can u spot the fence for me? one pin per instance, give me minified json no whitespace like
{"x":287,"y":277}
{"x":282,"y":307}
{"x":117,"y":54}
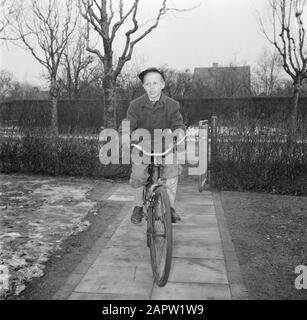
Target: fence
{"x":74,"y":115}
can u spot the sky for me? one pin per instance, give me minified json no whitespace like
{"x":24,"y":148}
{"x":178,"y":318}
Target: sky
{"x":216,"y":31}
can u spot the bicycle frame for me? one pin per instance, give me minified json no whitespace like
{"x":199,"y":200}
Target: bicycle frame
{"x":154,"y":181}
{"x":154,"y":178}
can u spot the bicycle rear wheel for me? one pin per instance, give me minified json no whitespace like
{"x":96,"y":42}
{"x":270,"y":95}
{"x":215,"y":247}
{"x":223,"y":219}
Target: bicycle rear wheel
{"x":161,"y":236}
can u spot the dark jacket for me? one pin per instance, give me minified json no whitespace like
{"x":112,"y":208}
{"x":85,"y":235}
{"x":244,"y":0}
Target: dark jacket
{"x":165,"y":114}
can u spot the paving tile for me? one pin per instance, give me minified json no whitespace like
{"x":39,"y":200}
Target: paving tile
{"x":191,"y":291}
{"x":198,"y":270}
{"x":195,"y":209}
{"x":105,"y":296}
{"x":193,"y":200}
{"x":129,"y":236}
{"x":207,"y":232}
{"x":193,"y":190}
{"x":186,"y":193}
{"x":120,"y":280}
{"x":189,"y":219}
{"x":124,"y":256}
{"x":196,"y":249}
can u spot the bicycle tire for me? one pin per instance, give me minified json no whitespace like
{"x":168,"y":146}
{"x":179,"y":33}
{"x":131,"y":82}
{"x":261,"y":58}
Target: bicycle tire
{"x":160,"y":250}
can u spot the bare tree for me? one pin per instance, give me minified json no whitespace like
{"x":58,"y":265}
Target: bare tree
{"x":6,"y":9}
{"x":267,"y":78}
{"x":106,"y":21}
{"x":179,"y":83}
{"x":75,"y":66}
{"x":288,"y":37}
{"x":6,"y":84}
{"x":234,"y":81}
{"x":44,"y":29}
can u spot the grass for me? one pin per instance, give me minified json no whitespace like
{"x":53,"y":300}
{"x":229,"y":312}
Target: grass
{"x":269,"y":235}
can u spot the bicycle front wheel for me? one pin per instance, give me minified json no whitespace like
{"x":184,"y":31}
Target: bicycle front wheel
{"x":161,"y":236}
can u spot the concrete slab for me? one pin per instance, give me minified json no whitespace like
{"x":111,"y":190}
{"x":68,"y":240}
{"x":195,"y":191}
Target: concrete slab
{"x":196,"y":249}
{"x":105,"y":296}
{"x":193,"y":200}
{"x":196,"y":232}
{"x":124,"y":256}
{"x":196,"y":241}
{"x":198,"y":271}
{"x":191,"y":291}
{"x":188,"y":195}
{"x":196,"y":209}
{"x":126,"y":236}
{"x":189,"y":219}
{"x":119,"y":280}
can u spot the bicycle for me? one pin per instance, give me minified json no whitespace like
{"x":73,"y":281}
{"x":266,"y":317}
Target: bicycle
{"x":157,"y":212}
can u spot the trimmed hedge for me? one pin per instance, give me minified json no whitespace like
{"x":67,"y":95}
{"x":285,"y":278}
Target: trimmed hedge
{"x":249,"y":153}
{"x":260,"y":167}
{"x":259,"y":158}
{"x":56,"y":156}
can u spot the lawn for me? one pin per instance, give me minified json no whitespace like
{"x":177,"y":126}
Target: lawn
{"x":37,"y":215}
{"x":269,"y":235}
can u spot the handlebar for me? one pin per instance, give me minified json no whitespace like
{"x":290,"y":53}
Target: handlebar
{"x":156,"y":154}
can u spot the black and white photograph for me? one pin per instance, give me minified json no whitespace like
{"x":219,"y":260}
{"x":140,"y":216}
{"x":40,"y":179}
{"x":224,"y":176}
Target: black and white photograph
{"x":153,"y":153}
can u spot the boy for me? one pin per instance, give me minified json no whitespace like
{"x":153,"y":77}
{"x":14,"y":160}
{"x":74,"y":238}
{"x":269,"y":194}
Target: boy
{"x":154,"y":110}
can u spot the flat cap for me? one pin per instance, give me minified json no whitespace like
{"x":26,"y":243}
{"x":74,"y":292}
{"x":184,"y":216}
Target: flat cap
{"x":143,"y":73}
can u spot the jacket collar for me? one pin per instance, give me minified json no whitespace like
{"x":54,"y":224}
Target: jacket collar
{"x":160,"y":103}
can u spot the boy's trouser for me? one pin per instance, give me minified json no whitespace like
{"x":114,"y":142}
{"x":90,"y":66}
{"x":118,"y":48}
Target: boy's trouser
{"x":139,"y":176}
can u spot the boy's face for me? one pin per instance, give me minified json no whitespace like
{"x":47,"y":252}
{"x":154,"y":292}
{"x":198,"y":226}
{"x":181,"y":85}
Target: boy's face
{"x":153,"y":85}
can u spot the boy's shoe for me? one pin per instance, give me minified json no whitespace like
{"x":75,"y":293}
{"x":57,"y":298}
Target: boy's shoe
{"x":137,"y":215}
{"x":175,"y":216}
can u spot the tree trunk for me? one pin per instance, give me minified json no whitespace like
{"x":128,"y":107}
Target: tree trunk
{"x":293,"y":119}
{"x":54,"y":108}
{"x":54,"y":123}
{"x":54,"y":116}
{"x":109,"y":102}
